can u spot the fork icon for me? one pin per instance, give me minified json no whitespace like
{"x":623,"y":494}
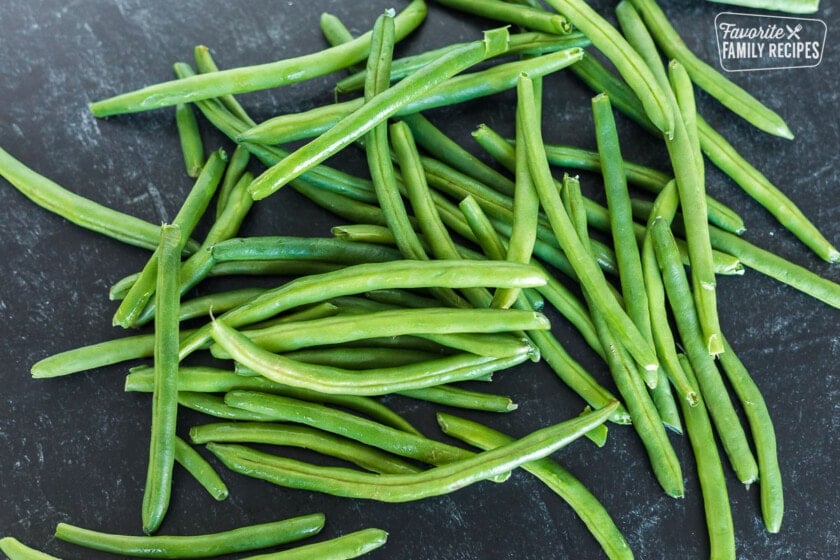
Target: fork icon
{"x":793,"y":33}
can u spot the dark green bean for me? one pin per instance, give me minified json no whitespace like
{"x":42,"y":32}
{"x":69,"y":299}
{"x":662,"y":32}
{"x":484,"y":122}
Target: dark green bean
{"x":351,"y":545}
{"x":241,"y":539}
{"x":200,"y":469}
{"x":401,"y":488}
{"x":252,"y":78}
{"x":570,"y":489}
{"x":79,"y":210}
{"x":294,"y":435}
{"x":325,"y":249}
{"x":165,"y":394}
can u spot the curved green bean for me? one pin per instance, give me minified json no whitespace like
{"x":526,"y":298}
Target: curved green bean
{"x":200,"y":469}
{"x":377,"y":110}
{"x":705,"y":76}
{"x":401,"y":488}
{"x":252,"y":78}
{"x":558,"y":479}
{"x":80,"y":210}
{"x":523,"y":16}
{"x":351,"y":545}
{"x":158,"y":486}
{"x":205,"y":64}
{"x":241,"y":539}
{"x":16,"y":550}
{"x":293,"y":435}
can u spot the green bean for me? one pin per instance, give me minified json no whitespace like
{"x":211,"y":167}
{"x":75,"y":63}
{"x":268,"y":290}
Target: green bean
{"x":631,"y":67}
{"x":369,"y":432}
{"x":558,"y":479}
{"x":201,"y":306}
{"x":94,"y":356}
{"x":377,"y":110}
{"x":789,"y":6}
{"x":187,"y":218}
{"x":370,"y":382}
{"x":523,"y":16}
{"x":16,"y":550}
{"x":351,"y":545}
{"x":192,"y":146}
{"x":393,"y":322}
{"x":366,"y":277}
{"x":444,"y":148}
{"x":241,"y":539}
{"x":196,"y":380}
{"x":458,"y":89}
{"x":764,"y":437}
{"x":287,"y":247}
{"x":214,"y":405}
{"x":727,"y":158}
{"x":683,"y":90}
{"x":292,"y":435}
{"x":712,"y":388}
{"x":236,"y":167}
{"x":705,"y":76}
{"x":200,"y":469}
{"x":584,"y":265}
{"x":165,"y":394}
{"x":205,"y":64}
{"x":710,"y":473}
{"x":253,"y":78}
{"x":402,"y":488}
{"x":458,"y":397}
{"x":360,"y":357}
{"x":79,"y":210}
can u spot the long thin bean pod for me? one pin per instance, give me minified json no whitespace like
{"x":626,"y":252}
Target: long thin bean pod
{"x":710,"y":473}
{"x":200,"y":469}
{"x":165,"y":395}
{"x":523,"y":16}
{"x":16,"y":550}
{"x":189,"y":134}
{"x":237,"y":165}
{"x":570,"y":489}
{"x":705,"y":76}
{"x":326,"y":249}
{"x":376,"y":110}
{"x":409,"y":487}
{"x":764,"y":437}
{"x":789,"y":6}
{"x":252,"y":78}
{"x":205,"y":64}
{"x":345,"y":547}
{"x":293,"y":435}
{"x":241,"y":539}
{"x":80,"y":210}
{"x":214,"y":405}
{"x":712,"y":389}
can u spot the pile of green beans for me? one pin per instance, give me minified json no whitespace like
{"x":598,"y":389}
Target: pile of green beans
{"x":441,"y":276}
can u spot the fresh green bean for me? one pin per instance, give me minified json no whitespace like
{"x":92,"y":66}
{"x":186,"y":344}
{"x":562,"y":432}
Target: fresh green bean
{"x":570,"y":489}
{"x":187,"y":218}
{"x":351,"y":545}
{"x":16,"y":550}
{"x":95,"y":356}
{"x":366,"y":277}
{"x":252,"y":78}
{"x":336,"y":33}
{"x":727,"y":158}
{"x":241,"y":539}
{"x":315,"y":248}
{"x":364,"y":233}
{"x":369,"y":432}
{"x":293,"y":435}
{"x":683,"y":90}
{"x":712,"y":389}
{"x":458,"y":397}
{"x":583,"y":263}
{"x":79,"y":210}
{"x":205,"y":64}
{"x":789,"y":6}
{"x":402,"y":488}
{"x":202,"y":306}
{"x":458,"y":89}
{"x":523,"y":16}
{"x":710,"y":473}
{"x":237,"y":165}
{"x":764,"y":437}
{"x":705,"y":76}
{"x":377,"y":110}
{"x":192,"y":147}
{"x":370,"y":382}
{"x":165,"y":394}
{"x":200,"y":469}
{"x":360,"y":357}
{"x":196,"y":380}
{"x":631,"y":67}
{"x":214,"y":405}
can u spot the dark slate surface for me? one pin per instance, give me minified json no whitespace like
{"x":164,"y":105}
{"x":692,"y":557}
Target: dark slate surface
{"x":73,"y":449}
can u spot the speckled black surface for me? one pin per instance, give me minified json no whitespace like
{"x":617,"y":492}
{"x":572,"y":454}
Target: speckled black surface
{"x":74,"y":449}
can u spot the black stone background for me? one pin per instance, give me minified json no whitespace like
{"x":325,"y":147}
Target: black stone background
{"x":74,"y":449}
